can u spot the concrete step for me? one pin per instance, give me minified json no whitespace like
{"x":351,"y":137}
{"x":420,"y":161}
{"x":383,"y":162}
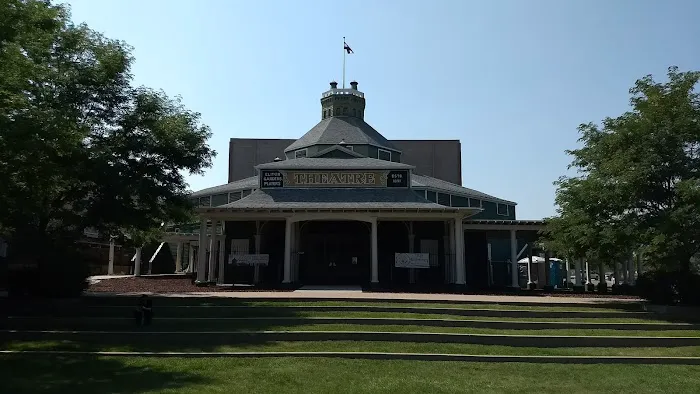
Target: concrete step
{"x":384,"y":356}
{"x":219,"y":323}
{"x":213,"y":338}
{"x":194,"y":311}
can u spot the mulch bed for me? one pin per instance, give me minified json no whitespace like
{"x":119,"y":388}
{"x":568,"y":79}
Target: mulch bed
{"x":167,"y":285}
{"x":160,"y":286}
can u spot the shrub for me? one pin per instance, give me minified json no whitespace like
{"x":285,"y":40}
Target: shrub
{"x":602,"y":287}
{"x":60,"y":272}
{"x":669,"y":287}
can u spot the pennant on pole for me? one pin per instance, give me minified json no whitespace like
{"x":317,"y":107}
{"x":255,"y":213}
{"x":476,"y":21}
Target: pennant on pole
{"x":347,"y":48}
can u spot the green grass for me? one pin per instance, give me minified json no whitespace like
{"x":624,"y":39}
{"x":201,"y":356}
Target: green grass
{"x":362,"y":346}
{"x":78,"y":375}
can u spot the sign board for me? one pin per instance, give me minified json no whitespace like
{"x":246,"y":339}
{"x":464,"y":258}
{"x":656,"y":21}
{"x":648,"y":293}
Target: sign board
{"x":412,"y":260}
{"x":333,"y":178}
{"x":397,"y":179}
{"x":270,"y":179}
{"x":249,"y":259}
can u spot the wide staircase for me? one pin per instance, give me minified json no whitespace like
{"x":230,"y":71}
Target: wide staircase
{"x":370,"y":329}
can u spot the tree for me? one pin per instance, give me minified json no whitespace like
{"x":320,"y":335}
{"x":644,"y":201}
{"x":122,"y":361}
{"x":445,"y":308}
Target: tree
{"x":79,"y":146}
{"x":638,"y":180}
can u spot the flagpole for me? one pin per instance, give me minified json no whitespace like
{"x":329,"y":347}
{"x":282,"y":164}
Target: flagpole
{"x":344,"y":53}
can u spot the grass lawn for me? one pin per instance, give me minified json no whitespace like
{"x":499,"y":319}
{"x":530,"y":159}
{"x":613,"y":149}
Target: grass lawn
{"x":75,"y":375}
{"x":358,"y":346}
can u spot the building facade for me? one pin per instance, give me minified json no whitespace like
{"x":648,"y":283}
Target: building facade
{"x":344,"y":205}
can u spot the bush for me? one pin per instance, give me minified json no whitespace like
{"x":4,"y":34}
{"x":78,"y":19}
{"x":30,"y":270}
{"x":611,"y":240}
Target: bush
{"x":602,"y":287}
{"x":62,"y":272}
{"x":669,"y":287}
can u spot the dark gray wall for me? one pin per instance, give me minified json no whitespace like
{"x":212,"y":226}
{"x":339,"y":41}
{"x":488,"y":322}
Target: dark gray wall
{"x":441,"y":159}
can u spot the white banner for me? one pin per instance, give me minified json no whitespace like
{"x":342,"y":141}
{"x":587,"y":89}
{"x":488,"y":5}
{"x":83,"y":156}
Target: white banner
{"x":412,"y":260}
{"x":249,"y":259}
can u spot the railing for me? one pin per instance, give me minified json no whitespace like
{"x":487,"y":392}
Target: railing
{"x":350,"y":92}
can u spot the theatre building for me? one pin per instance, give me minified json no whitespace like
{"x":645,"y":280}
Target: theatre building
{"x":344,"y":205}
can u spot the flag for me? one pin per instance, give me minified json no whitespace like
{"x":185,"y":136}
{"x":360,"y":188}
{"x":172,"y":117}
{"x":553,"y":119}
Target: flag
{"x":347,"y":48}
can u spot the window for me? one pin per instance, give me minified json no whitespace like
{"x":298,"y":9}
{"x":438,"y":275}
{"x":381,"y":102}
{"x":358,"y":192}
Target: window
{"x":345,"y":110}
{"x":300,"y":153}
{"x":383,"y":154}
{"x":473,"y":202}
{"x":502,"y":209}
{"x":349,"y":147}
{"x":354,"y":112}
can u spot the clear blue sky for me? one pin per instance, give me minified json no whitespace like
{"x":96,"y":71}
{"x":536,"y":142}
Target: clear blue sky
{"x":511,"y":79}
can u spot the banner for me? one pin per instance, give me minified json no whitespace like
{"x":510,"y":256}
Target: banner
{"x":249,"y":259}
{"x":412,"y":260}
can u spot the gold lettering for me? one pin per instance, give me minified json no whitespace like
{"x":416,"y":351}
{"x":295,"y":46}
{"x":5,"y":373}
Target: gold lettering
{"x":324,"y":178}
{"x":370,"y":179}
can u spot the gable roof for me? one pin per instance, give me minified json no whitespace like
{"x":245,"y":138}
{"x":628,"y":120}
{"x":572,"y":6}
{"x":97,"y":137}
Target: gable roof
{"x":339,"y":148}
{"x":332,"y":198}
{"x":333,"y":130}
{"x":241,"y":184}
{"x":419,"y":181}
{"x":321,"y":163}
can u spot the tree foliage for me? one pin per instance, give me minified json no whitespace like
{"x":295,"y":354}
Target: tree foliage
{"x":638,"y":179}
{"x":79,"y":145}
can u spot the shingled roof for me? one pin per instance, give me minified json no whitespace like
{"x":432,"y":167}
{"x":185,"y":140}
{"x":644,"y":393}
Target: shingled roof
{"x":322,"y":163}
{"x":333,"y":130}
{"x":329,"y":198}
{"x":241,"y":184}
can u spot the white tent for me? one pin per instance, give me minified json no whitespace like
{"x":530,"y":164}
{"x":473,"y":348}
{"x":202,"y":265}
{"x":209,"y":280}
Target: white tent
{"x":538,"y":259}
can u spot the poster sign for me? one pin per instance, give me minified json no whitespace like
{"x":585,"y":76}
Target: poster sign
{"x":412,"y":260}
{"x":269,"y":179}
{"x":397,"y":179}
{"x":249,"y":259}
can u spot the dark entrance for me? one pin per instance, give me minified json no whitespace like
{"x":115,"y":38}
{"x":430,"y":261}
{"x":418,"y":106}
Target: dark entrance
{"x":334,"y":252}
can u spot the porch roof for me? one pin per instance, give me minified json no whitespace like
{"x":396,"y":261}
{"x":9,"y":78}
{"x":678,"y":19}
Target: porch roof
{"x":335,"y":199}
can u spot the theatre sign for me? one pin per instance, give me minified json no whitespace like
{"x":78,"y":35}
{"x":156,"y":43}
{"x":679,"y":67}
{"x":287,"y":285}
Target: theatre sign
{"x":371,"y":178}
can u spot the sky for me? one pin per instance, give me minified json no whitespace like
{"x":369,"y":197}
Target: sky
{"x":511,"y":80}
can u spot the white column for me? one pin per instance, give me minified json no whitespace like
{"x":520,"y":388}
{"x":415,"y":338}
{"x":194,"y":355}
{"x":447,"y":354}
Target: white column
{"x":375,"y":253}
{"x":577,"y":273}
{"x":110,"y":267}
{"x":529,"y":264}
{"x":213,"y":251}
{"x":137,"y":262}
{"x":202,"y":252}
{"x":514,"y":259}
{"x":568,"y":272}
{"x":287,"y":251}
{"x":190,"y":252}
{"x":222,"y":260}
{"x":256,"y":269}
{"x":588,"y":275}
{"x":461,"y":275}
{"x":178,"y":257}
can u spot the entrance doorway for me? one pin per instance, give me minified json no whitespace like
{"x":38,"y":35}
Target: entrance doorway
{"x":334,"y":253}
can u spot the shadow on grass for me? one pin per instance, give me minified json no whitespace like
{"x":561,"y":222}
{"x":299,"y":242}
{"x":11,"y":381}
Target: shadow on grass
{"x":89,"y":374}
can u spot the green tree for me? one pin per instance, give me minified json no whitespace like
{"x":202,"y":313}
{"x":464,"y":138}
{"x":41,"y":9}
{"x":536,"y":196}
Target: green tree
{"x":79,"y":145}
{"x":638,"y":180}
